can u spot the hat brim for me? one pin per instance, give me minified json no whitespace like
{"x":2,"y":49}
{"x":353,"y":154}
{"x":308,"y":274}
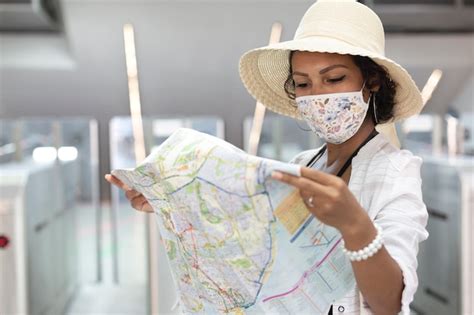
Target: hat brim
{"x":264,"y":71}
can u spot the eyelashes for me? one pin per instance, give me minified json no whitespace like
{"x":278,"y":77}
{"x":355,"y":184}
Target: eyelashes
{"x":335,"y":80}
{"x":302,"y":85}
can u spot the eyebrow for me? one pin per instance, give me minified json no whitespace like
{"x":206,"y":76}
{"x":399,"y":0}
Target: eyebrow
{"x":322,"y":71}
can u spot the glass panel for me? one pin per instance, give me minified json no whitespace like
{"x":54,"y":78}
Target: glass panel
{"x":282,"y":137}
{"x":46,"y":175}
{"x":416,"y":133}
{"x":467,"y":123}
{"x":7,"y":141}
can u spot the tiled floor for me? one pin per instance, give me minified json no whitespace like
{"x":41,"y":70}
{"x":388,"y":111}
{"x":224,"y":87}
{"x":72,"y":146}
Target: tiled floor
{"x":95,"y":297}
{"x":130,"y":250}
{"x":109,"y":299}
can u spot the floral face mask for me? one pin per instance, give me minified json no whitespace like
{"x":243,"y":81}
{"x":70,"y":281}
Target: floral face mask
{"x":334,"y":117}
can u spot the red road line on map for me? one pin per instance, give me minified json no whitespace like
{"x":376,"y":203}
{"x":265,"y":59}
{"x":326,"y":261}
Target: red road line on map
{"x":190,"y":229}
{"x":197,"y":267}
{"x":304,"y":276}
{"x":194,"y":244}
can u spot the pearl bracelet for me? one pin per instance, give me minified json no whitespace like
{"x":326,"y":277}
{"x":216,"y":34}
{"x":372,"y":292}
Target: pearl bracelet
{"x":367,"y":251}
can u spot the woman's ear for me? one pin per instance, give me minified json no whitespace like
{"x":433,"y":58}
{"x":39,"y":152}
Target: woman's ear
{"x":373,"y":84}
{"x":375,"y":89}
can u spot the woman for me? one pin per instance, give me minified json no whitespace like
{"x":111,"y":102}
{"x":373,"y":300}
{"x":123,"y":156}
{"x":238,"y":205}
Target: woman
{"x":334,"y":75}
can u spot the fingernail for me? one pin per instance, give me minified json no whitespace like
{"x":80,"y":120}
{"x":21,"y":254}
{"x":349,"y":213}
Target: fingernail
{"x":277,"y":175}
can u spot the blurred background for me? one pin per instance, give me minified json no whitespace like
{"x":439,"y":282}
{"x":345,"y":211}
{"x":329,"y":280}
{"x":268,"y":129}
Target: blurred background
{"x":69,"y":244}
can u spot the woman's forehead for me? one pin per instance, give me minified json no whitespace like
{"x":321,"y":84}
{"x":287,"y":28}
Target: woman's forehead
{"x":316,"y":59}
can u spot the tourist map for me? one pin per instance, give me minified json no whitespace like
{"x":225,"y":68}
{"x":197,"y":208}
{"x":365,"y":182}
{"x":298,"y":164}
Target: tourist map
{"x":237,"y":240}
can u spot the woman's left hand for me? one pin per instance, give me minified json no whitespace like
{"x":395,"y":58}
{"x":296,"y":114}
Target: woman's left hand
{"x":327,"y":197}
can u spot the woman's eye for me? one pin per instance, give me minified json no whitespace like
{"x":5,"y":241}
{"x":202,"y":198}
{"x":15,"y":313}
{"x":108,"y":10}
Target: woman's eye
{"x":337,"y":79}
{"x":301,"y":85}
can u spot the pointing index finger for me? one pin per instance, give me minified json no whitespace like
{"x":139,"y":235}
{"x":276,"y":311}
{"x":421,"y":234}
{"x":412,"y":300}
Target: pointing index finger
{"x":117,"y":182}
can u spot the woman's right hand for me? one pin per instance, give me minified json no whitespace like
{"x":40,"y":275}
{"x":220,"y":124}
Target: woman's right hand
{"x":137,"y":200}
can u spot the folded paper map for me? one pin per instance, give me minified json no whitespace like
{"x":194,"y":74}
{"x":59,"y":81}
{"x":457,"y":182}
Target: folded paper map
{"x":237,"y":240}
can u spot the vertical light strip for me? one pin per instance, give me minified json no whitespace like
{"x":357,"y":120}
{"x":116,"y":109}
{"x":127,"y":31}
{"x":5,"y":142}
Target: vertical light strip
{"x":467,"y":244}
{"x":134,"y":93}
{"x":437,"y":135}
{"x":431,"y":85}
{"x":140,"y":154}
{"x":452,"y":135}
{"x":95,"y":192}
{"x":426,"y":93}
{"x":259,"y":114}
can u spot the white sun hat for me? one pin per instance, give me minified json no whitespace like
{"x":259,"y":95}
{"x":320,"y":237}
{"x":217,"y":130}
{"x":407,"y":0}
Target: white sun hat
{"x":333,"y":26}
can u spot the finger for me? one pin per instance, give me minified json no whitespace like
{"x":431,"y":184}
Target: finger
{"x":305,"y":194}
{"x":142,"y":205}
{"x":130,"y":194}
{"x":146,"y":207}
{"x":318,"y":176}
{"x":138,"y":202}
{"x":117,"y":182}
{"x":308,"y":198}
{"x":299,"y":182}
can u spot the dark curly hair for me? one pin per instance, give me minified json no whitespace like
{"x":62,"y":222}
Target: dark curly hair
{"x":374,"y":74}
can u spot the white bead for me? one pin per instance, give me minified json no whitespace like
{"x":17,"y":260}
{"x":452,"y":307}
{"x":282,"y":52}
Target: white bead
{"x":367,"y":251}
